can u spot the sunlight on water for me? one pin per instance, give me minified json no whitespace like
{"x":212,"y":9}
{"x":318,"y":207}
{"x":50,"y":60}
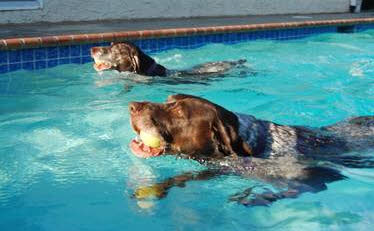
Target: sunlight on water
{"x":64,"y":132}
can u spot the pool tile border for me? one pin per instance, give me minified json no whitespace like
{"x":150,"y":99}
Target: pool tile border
{"x":50,"y":51}
{"x":34,"y":42}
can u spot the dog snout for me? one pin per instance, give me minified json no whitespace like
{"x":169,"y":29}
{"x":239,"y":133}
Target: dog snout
{"x":136,"y":107}
{"x":94,"y":50}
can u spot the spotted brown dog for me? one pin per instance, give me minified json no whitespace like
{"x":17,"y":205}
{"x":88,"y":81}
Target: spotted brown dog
{"x":292,"y":158}
{"x":126,"y":56}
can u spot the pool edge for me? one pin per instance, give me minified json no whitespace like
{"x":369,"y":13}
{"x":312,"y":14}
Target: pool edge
{"x":74,"y":39}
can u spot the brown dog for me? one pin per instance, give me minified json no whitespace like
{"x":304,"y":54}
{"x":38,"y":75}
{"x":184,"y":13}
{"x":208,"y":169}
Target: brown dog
{"x":233,"y":143}
{"x":126,"y":56}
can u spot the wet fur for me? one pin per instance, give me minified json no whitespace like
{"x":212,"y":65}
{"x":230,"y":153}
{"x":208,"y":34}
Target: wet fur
{"x":126,"y":56}
{"x":295,"y":159}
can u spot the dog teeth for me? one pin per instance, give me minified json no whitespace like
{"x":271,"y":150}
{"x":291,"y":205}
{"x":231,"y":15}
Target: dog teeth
{"x":137,"y":138}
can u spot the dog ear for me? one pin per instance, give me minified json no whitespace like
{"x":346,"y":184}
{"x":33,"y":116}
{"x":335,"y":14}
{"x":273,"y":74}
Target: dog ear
{"x":135,"y":63}
{"x":134,"y":57}
{"x":225,"y":134}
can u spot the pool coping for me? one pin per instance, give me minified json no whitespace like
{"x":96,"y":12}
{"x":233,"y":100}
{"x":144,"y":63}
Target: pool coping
{"x":65,"y":40}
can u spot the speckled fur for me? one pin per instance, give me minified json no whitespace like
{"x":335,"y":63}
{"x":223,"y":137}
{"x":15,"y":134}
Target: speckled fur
{"x":294,"y":159}
{"x":282,"y":140}
{"x":279,"y":140}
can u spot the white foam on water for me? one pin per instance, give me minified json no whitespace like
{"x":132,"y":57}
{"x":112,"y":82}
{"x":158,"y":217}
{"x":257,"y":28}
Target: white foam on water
{"x":173,"y":58}
{"x":51,"y":140}
{"x":359,"y":68}
{"x":26,"y":119}
{"x":347,"y":46}
{"x":4,"y":178}
{"x":100,"y":119}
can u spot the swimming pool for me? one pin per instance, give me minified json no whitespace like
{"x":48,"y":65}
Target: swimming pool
{"x":65,"y":163}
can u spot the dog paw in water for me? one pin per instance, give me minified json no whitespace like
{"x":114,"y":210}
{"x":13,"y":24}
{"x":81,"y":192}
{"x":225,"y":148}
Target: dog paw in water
{"x":150,"y":192}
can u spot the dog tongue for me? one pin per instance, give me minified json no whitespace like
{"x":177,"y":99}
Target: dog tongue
{"x":144,"y":151}
{"x":101,"y":66}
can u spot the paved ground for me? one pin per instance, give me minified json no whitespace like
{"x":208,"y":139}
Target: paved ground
{"x":45,"y":29}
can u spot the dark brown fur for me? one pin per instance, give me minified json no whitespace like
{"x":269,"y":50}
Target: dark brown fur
{"x":286,"y":156}
{"x":191,"y":125}
{"x":126,"y":56}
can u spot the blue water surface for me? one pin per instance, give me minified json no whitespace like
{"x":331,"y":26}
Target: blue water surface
{"x":65,"y":163}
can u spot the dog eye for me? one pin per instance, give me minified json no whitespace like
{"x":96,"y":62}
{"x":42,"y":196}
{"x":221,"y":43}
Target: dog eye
{"x":171,"y":104}
{"x":177,"y":109}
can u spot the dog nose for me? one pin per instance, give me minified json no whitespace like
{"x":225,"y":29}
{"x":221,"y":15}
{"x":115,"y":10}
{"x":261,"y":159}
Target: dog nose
{"x":135,"y":106}
{"x":94,"y":50}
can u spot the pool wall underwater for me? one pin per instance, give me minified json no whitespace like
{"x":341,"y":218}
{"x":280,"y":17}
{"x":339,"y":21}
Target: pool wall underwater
{"x":46,"y":52}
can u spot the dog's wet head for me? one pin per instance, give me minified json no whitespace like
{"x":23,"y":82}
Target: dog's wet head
{"x":185,"y":125}
{"x":102,"y":58}
{"x":120,"y":56}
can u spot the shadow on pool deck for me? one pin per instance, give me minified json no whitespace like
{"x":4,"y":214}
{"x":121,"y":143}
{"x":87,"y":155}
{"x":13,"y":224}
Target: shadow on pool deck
{"x":47,"y":29}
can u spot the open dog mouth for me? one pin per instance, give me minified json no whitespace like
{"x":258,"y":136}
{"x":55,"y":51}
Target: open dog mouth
{"x":100,"y":66}
{"x":145,"y":146}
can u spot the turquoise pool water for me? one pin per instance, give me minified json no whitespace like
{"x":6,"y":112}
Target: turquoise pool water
{"x":65,"y":163}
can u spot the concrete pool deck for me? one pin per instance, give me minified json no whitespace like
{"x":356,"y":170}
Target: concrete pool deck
{"x":52,"y":29}
{"x":20,"y":36}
